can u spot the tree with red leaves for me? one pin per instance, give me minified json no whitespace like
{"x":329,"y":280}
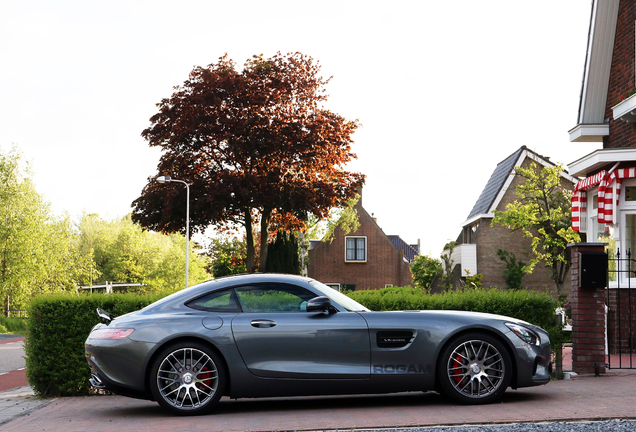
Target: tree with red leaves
{"x":255,"y":145}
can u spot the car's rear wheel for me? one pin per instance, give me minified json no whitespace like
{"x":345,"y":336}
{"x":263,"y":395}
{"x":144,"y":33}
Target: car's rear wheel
{"x":474,"y":368}
{"x":187,"y":378}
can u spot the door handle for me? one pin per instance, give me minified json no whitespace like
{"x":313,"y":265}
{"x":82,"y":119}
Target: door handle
{"x":263,"y":323}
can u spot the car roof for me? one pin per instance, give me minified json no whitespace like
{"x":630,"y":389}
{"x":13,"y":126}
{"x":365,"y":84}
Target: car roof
{"x":179,"y":297}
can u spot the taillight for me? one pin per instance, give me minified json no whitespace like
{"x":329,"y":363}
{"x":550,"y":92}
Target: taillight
{"x":106,"y":333}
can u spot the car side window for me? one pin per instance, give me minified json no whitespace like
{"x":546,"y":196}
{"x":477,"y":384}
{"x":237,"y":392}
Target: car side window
{"x":217,"y":301}
{"x":273,"y":298}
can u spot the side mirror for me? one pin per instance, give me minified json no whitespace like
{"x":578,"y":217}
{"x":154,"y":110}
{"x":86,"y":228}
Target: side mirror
{"x":320,"y":304}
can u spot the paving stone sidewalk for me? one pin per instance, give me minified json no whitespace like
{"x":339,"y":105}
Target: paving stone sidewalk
{"x":19,"y":402}
{"x":611,"y":396}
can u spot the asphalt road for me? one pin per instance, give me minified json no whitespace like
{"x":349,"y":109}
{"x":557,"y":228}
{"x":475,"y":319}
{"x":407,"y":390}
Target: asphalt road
{"x":11,"y":354}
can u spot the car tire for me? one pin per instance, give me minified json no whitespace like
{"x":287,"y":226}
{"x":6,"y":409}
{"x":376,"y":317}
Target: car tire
{"x":187,"y":378}
{"x":474,"y":368}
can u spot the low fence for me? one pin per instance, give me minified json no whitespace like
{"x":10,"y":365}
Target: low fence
{"x":621,"y":317}
{"x":15,"y":313}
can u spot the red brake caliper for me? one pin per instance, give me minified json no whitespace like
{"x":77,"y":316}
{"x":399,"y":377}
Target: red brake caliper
{"x":457,"y":364}
{"x":204,"y":376}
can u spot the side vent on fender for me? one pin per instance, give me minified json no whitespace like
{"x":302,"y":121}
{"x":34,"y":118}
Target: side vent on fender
{"x":394,"y":338}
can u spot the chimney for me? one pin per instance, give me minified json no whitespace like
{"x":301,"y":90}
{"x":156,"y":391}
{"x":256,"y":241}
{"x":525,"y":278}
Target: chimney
{"x":359,"y":192}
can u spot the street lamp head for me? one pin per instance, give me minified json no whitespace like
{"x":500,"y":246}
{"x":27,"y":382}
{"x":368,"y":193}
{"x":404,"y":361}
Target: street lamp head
{"x":163,"y":179}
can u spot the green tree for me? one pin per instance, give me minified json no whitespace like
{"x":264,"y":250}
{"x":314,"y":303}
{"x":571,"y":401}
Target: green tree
{"x":38,"y":251}
{"x":283,"y":256}
{"x":542,"y":213}
{"x":125,"y":253}
{"x":448,"y":264}
{"x":514,"y":271}
{"x":227,"y":256}
{"x":344,"y":217}
{"x":256,"y":144}
{"x":425,"y":269}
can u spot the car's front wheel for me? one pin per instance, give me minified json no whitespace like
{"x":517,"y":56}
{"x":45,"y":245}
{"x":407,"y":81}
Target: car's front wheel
{"x":187,"y":378}
{"x":474,"y":368}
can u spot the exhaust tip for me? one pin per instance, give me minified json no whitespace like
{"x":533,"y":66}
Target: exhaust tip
{"x":96,"y":382}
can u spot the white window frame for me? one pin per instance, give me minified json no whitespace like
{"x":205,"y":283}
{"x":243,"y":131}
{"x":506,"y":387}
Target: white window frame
{"x":335,"y":286}
{"x":591,"y":220}
{"x":620,"y":213}
{"x":366,"y":249}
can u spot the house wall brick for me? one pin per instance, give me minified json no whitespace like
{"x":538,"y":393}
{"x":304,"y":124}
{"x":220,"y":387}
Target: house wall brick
{"x":384,"y":266}
{"x":622,"y":77}
{"x":490,"y":237}
{"x":620,"y":320}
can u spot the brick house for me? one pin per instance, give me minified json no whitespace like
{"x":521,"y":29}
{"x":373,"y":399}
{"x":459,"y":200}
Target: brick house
{"x":476,"y":247}
{"x":604,"y":201}
{"x":364,"y":259}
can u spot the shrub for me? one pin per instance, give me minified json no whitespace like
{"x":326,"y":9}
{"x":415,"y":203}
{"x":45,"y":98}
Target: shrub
{"x":514,"y":272}
{"x":58,"y":326}
{"x":535,"y":308}
{"x":13,"y":325}
{"x":425,"y":269}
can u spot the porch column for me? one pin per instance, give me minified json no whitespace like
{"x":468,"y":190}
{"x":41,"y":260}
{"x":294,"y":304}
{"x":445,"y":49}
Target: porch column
{"x":588,"y":315}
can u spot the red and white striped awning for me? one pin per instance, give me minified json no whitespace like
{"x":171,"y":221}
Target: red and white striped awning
{"x":606,"y":202}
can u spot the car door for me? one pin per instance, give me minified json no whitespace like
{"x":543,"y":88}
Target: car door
{"x":278,"y":338}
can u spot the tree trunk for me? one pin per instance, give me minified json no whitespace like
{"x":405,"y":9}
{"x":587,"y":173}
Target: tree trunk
{"x":303,"y":252}
{"x":249,"y":239}
{"x":265,"y":217}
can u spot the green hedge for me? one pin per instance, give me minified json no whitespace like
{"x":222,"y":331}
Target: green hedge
{"x":533,"y":307}
{"x":58,"y":326}
{"x":13,"y":325}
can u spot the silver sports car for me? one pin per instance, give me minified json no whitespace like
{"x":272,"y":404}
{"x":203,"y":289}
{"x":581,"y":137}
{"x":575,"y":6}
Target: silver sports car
{"x":280,"y":335}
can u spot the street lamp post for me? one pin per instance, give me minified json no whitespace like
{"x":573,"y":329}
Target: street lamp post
{"x":167,"y":179}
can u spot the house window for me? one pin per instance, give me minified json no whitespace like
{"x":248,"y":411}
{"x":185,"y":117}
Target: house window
{"x":355,"y":249}
{"x":630,"y":194}
{"x":335,"y":286}
{"x":630,"y":235}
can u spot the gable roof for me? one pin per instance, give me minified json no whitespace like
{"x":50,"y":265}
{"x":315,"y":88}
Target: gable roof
{"x":500,"y":181}
{"x":495,"y":184}
{"x":410,"y":252}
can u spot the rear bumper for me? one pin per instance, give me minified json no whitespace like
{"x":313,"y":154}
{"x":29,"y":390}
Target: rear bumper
{"x":114,"y":369}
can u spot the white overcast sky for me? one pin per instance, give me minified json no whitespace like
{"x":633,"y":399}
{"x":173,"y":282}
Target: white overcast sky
{"x":444,"y":90}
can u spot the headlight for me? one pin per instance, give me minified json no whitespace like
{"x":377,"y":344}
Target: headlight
{"x":525,"y":334}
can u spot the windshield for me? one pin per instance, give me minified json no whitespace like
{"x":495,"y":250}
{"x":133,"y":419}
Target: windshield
{"x":346,"y":302}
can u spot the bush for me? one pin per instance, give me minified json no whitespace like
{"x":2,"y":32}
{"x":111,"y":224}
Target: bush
{"x":13,"y":325}
{"x":535,"y":308}
{"x":58,"y":326}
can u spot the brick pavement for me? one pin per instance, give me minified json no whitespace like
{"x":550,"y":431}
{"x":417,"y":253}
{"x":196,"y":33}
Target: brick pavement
{"x":611,"y":396}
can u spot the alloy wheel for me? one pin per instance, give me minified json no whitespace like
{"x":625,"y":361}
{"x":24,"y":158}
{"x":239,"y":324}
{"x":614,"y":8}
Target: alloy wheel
{"x":476,"y":369}
{"x":187,"y":379}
